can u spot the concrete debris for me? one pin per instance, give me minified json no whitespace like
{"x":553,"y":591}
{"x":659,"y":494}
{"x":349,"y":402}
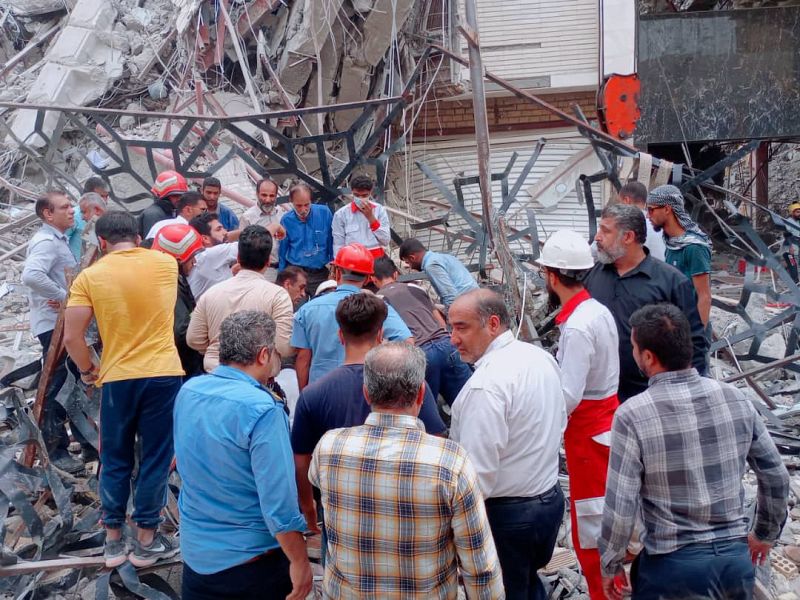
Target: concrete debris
{"x":31,"y":8}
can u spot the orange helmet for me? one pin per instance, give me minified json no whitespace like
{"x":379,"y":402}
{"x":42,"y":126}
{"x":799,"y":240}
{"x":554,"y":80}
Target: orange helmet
{"x":169,"y":183}
{"x":180,"y":241}
{"x":355,"y":257}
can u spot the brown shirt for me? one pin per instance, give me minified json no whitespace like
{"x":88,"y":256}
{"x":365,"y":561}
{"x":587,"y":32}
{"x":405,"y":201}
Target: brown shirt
{"x":246,"y":291}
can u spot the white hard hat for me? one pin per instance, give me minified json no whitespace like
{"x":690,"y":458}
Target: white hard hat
{"x":566,"y":250}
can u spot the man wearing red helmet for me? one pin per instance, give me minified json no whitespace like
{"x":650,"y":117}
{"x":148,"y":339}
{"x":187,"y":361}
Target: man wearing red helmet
{"x":168,"y":187}
{"x":315,"y":334}
{"x":184,"y":244}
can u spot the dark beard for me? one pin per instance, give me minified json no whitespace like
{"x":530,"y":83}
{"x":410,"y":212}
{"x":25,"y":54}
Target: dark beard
{"x":553,"y":301}
{"x":657,"y":228}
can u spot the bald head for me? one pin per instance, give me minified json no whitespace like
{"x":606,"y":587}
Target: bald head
{"x":394,"y":373}
{"x":478,"y":318}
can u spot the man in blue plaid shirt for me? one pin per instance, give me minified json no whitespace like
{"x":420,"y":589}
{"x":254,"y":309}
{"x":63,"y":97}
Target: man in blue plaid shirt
{"x":678,"y":454}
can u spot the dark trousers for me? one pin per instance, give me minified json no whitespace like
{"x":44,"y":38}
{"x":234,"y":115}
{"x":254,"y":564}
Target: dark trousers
{"x":525,"y":531}
{"x":131,"y":408}
{"x":264,"y":579}
{"x":714,"y":570}
{"x":445,"y":372}
{"x":790,"y":262}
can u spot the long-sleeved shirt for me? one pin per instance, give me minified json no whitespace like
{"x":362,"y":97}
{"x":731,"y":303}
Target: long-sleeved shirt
{"x":309,"y":243}
{"x":159,"y":225}
{"x":48,"y":256}
{"x":350,"y":225}
{"x":227,"y":217}
{"x":315,"y":328}
{"x":74,"y":235}
{"x":403,"y":513}
{"x":588,"y":351}
{"x":237,"y":470}
{"x":678,"y":455}
{"x":255,"y":216}
{"x":447,"y":275}
{"x":651,"y":281}
{"x":213,"y":266}
{"x":247,"y":291}
{"x":509,"y":417}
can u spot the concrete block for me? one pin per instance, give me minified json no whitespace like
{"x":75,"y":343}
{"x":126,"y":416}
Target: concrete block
{"x":783,"y":565}
{"x":30,"y":8}
{"x":97,"y":15}
{"x":354,"y":86}
{"x":386,"y":18}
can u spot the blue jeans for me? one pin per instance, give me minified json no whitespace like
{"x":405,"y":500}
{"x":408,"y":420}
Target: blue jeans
{"x":525,"y":531}
{"x":445,"y":372}
{"x":129,"y":408}
{"x":713,"y":570}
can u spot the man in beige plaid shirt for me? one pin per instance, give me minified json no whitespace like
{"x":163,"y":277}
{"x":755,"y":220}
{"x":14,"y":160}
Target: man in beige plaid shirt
{"x":403,"y":508}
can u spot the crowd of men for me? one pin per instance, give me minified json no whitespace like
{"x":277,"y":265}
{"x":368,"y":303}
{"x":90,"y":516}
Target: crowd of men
{"x":297,"y":383}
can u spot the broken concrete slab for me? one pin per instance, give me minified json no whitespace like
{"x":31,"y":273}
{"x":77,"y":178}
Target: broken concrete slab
{"x":354,"y":86}
{"x":385,"y":19}
{"x":32,"y":8}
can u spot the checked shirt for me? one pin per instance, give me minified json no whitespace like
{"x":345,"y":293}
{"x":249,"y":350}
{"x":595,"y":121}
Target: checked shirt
{"x":678,"y":455}
{"x":401,"y":507}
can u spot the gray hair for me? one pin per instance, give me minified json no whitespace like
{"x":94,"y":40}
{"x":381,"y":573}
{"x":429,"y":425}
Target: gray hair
{"x":393,"y":374}
{"x":243,"y":334}
{"x":627,"y":218}
{"x":92,"y":200}
{"x":488,"y":304}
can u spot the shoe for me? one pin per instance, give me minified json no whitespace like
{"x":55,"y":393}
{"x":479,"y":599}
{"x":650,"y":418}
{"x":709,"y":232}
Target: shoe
{"x":66,"y":463}
{"x":160,"y":548}
{"x":115,"y":552}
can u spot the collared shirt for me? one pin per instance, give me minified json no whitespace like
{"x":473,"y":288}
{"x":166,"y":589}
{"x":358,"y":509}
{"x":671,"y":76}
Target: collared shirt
{"x":416,"y":309}
{"x":255,"y":216}
{"x":227,"y":217}
{"x":447,"y":275}
{"x":48,"y":255}
{"x":307,"y":243}
{"x":179,"y":220}
{"x":678,"y":455}
{"x":237,"y":470}
{"x":350,"y":225}
{"x":247,"y":291}
{"x":315,"y":327}
{"x":651,"y":281}
{"x":337,"y":400}
{"x":588,"y":351}
{"x":212,"y":266}
{"x":510,"y":416}
{"x":403,"y":513}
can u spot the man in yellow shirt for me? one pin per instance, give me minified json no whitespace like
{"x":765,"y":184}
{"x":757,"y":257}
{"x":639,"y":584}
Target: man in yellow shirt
{"x":131,"y":292}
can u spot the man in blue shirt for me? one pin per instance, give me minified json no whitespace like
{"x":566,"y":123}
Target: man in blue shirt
{"x":309,"y":237}
{"x":241,"y":529}
{"x":315,"y":334}
{"x":447,"y":275}
{"x":337,"y":400}
{"x":211,"y":190}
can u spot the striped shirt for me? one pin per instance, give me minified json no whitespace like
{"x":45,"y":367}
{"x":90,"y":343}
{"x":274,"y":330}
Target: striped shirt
{"x":678,"y":455}
{"x":403,"y":512}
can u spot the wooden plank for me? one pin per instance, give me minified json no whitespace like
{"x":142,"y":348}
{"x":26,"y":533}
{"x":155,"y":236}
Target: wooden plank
{"x":56,"y":564}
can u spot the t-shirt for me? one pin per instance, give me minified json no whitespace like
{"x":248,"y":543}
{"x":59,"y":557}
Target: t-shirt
{"x":416,"y":309}
{"x":691,"y":260}
{"x":337,"y":400}
{"x":132,"y":293}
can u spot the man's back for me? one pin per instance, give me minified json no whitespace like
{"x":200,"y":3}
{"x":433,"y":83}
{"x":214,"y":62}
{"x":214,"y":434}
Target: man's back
{"x":315,"y":328}
{"x":415,"y":308}
{"x":693,"y":437}
{"x":132,"y":293}
{"x":248,"y":290}
{"x":337,"y":400}
{"x":399,"y":506}
{"x":448,"y":276}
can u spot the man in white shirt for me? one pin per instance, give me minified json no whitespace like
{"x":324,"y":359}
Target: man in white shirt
{"x":268,"y":214}
{"x":509,"y":417}
{"x":190,"y":205}
{"x":588,"y":353}
{"x":362,"y":220}
{"x":215,"y":262}
{"x":635,"y":194}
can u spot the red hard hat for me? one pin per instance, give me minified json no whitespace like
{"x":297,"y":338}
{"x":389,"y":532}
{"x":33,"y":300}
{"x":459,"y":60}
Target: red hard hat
{"x":180,"y":241}
{"x":169,"y":183}
{"x":355,"y":257}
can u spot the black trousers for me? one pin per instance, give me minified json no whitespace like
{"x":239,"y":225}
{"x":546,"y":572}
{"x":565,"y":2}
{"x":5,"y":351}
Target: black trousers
{"x":266,"y":578}
{"x":54,"y":416}
{"x":525,"y":531}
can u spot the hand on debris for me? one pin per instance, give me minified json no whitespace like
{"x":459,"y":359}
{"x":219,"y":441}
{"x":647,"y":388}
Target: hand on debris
{"x":302,"y":579}
{"x":759,"y":551}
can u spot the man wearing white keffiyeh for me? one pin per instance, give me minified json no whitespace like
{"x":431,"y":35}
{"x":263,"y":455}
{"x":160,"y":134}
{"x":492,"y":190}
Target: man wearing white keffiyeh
{"x":688,"y":247}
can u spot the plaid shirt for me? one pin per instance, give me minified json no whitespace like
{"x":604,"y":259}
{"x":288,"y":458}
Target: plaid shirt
{"x":400,"y":506}
{"x":678,"y":455}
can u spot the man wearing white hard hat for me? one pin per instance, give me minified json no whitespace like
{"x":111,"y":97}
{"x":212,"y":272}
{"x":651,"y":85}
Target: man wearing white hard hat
{"x":588,"y":354}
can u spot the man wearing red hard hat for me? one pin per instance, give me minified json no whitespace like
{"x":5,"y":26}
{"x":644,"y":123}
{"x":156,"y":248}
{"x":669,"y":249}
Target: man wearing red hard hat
{"x":168,"y":187}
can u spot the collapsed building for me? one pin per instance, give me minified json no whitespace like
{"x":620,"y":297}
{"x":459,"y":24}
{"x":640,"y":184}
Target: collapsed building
{"x":316,"y":90}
